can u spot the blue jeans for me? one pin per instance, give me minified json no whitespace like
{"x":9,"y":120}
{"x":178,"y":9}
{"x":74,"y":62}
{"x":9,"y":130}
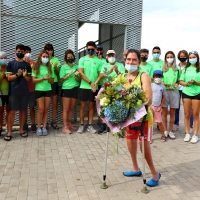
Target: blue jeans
{"x":176,"y":122}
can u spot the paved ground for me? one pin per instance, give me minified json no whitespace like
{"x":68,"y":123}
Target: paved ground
{"x":64,"y":167}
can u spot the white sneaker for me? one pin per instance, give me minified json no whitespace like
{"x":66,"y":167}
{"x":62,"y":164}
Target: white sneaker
{"x":91,"y":129}
{"x":194,"y":139}
{"x":187,"y":138}
{"x":80,"y":129}
{"x":191,"y":130}
{"x":166,"y":134}
{"x":171,"y":135}
{"x":176,"y":127}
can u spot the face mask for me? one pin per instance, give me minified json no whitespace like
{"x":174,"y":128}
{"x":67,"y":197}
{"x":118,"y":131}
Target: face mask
{"x":182,"y":59}
{"x":131,"y":68}
{"x":27,"y":55}
{"x":91,"y":52}
{"x":20,"y":55}
{"x":71,"y":60}
{"x":45,"y":60}
{"x":3,"y":61}
{"x":143,"y":59}
{"x":157,"y":80}
{"x":193,"y":60}
{"x":111,"y":60}
{"x":156,"y":56}
{"x":170,"y":60}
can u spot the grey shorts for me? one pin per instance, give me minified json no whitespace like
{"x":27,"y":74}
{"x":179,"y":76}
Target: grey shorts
{"x":18,"y":102}
{"x":172,"y":99}
{"x":31,"y":100}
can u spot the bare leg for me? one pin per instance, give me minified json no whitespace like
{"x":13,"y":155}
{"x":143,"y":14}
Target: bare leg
{"x":187,"y":103}
{"x":46,"y":107}
{"x":172,"y":118}
{"x":195,"y":108}
{"x":11,"y":119}
{"x":161,"y":128}
{"x":40,"y":104}
{"x":71,"y":108}
{"x":22,"y":119}
{"x":32,"y":115}
{"x":91,"y":111}
{"x":164,"y":117}
{"x":82,"y":111}
{"x":66,"y":104}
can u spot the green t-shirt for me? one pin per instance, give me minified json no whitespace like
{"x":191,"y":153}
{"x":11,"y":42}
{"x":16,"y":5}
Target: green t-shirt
{"x":103,"y":61}
{"x":44,"y":85}
{"x":156,"y":65}
{"x":148,"y":68}
{"x":92,"y":67}
{"x":4,"y":85}
{"x":71,"y":82}
{"x":108,"y":66}
{"x":55,"y":61}
{"x":171,"y":77}
{"x":188,"y":75}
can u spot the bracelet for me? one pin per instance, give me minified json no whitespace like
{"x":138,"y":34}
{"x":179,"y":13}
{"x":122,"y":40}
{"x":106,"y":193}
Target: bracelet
{"x":90,"y":82}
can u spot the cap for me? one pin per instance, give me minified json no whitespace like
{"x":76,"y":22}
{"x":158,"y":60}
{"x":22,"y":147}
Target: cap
{"x":158,"y":72}
{"x":99,"y":46}
{"x":110,"y":51}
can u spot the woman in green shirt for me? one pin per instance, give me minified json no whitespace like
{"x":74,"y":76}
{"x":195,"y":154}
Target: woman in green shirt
{"x":190,"y":79}
{"x":170,"y":81}
{"x":56,"y":69}
{"x":43,"y":78}
{"x":70,"y":83}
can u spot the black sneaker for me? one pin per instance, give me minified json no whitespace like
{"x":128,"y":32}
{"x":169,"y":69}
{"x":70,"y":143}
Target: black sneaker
{"x":33,"y":128}
{"x":25,"y":127}
{"x":102,"y":129}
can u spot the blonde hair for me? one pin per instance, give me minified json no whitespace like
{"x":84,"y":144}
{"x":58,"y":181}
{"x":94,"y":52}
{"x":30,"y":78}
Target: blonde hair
{"x":165,"y":65}
{"x":2,"y":53}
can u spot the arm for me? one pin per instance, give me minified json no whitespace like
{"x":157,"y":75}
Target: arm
{"x":83,"y":76}
{"x":162,"y":102}
{"x":183,"y":83}
{"x":146,"y":86}
{"x":101,"y":76}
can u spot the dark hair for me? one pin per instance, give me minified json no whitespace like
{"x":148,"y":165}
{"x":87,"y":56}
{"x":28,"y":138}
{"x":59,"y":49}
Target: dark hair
{"x":197,"y":65}
{"x":27,"y":48}
{"x":134,"y":51}
{"x":144,"y":51}
{"x":156,"y":47}
{"x":68,"y":51}
{"x":184,"y":52}
{"x":91,"y":43}
{"x":49,"y":46}
{"x":20,"y":46}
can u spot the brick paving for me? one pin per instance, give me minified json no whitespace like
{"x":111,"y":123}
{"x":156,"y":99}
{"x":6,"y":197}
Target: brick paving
{"x":62,"y":167}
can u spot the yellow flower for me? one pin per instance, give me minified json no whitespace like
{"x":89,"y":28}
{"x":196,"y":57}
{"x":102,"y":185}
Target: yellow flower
{"x":127,"y":86}
{"x":104,"y":101}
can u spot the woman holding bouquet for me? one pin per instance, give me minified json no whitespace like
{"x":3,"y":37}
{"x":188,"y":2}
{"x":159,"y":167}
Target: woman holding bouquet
{"x":142,"y":80}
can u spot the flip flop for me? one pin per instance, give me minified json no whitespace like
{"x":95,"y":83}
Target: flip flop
{"x":7,"y":138}
{"x":24,"y":134}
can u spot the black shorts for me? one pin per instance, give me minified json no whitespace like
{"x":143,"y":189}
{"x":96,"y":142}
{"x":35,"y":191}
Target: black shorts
{"x":185,"y":96}
{"x":87,"y":95}
{"x":4,"y":100}
{"x":18,"y":102}
{"x":31,"y":99}
{"x":70,"y":93}
{"x":54,"y":89}
{"x":39,"y":94}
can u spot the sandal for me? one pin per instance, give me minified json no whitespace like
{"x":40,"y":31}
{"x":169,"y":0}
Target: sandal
{"x":54,"y":125}
{"x":24,"y":134}
{"x":7,"y":138}
{"x":163,"y":139}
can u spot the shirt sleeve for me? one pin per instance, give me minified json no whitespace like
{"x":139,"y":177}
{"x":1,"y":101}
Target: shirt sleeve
{"x":164,"y":90}
{"x":58,"y":63}
{"x":62,"y":72}
{"x":33,"y":73}
{"x":81,"y":63}
{"x":9,"y":68}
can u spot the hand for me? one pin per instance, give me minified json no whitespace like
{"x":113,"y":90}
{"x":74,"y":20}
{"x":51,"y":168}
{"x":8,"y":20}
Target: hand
{"x":170,"y":87}
{"x":3,"y":74}
{"x":176,"y":85}
{"x":71,"y":72}
{"x":112,"y":68}
{"x":116,"y":68}
{"x":191,"y":81}
{"x":24,"y":72}
{"x":93,"y":85}
{"x":159,"y":109}
{"x":19,"y":72}
{"x":77,"y":73}
{"x":47,"y":77}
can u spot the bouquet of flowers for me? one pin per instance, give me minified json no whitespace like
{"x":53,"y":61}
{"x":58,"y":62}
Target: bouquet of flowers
{"x":120,"y":103}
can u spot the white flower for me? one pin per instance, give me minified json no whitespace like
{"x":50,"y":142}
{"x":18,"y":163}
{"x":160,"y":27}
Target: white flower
{"x":104,"y":101}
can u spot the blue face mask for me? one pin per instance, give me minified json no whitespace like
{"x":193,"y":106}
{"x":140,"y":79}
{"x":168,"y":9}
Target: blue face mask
{"x":156,"y":56}
{"x":3,"y":61}
{"x":45,"y":60}
{"x":91,"y":52}
{"x":131,"y":68}
{"x":193,"y":61}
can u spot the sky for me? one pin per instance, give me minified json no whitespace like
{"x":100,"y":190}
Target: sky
{"x":171,"y":24}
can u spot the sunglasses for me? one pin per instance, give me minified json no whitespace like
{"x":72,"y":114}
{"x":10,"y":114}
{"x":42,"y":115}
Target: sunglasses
{"x":193,"y":52}
{"x":90,"y":49}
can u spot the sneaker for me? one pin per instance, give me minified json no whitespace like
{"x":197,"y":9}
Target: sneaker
{"x":152,"y":182}
{"x":132,"y":173}
{"x":33,"y":128}
{"x":44,"y":131}
{"x":194,"y":139}
{"x":187,"y":138}
{"x":39,"y":131}
{"x":171,"y":135}
{"x":166,"y":134}
{"x":66,"y":130}
{"x":163,"y":139}
{"x":176,"y":127}
{"x":191,"y":130}
{"x":102,"y":129}
{"x":72,"y":128}
{"x":80,"y":129}
{"x":91,"y":129}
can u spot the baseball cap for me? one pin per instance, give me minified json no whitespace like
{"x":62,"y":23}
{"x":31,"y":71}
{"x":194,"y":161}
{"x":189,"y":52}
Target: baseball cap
{"x":99,"y":46}
{"x":110,"y":51}
{"x":158,"y":72}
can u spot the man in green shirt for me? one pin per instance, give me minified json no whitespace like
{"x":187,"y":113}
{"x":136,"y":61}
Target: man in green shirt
{"x":157,"y":63}
{"x":144,"y":65}
{"x":89,"y":68}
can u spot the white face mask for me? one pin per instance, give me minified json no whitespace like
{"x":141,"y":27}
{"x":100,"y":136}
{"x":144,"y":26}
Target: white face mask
{"x":170,"y":60}
{"x":27,"y":55}
{"x":111,"y":60}
{"x":157,"y":80}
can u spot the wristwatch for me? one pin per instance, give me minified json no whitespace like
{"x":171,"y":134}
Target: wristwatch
{"x":90,"y":82}
{"x":16,"y":75}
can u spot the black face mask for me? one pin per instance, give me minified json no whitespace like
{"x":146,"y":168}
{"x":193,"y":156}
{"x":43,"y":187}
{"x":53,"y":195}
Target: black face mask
{"x":143,"y":59}
{"x":182,"y":59}
{"x":71,"y":60}
{"x":20,"y":55}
